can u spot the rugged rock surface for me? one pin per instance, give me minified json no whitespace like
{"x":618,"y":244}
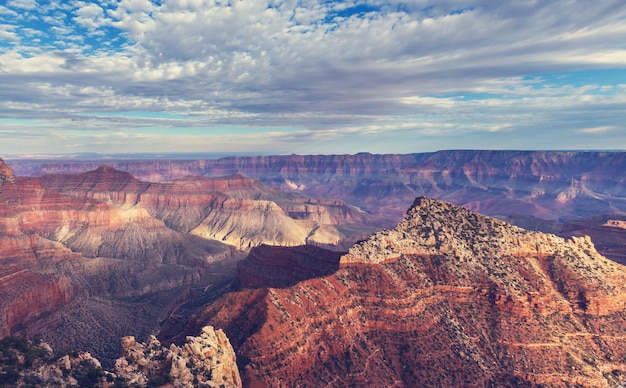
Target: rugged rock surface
{"x":204,"y":361}
{"x":24,"y":364}
{"x":607,"y":233}
{"x":64,"y":256}
{"x":447,"y":298}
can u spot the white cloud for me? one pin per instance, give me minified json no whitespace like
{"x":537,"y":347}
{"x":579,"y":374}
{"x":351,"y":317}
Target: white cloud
{"x":299,"y":64}
{"x":25,"y":4}
{"x":90,"y":16}
{"x":5,"y":11}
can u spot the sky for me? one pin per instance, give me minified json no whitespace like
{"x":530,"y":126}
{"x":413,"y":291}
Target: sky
{"x":311,"y":76}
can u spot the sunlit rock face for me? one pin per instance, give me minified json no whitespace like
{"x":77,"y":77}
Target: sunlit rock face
{"x":447,"y":298}
{"x":207,"y":360}
{"x":238,"y":211}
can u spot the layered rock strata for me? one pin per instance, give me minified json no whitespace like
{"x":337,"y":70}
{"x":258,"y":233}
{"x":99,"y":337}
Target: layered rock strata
{"x":447,"y":298}
{"x":64,"y":256}
{"x":546,"y":185}
{"x":235,"y":210}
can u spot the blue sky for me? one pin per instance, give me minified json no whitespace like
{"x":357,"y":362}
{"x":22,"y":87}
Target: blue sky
{"x":306,"y":76}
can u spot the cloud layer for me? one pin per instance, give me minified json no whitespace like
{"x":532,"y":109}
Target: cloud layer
{"x":311,"y":76}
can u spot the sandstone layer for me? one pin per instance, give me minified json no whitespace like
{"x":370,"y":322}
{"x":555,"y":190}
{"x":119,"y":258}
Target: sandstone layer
{"x":447,"y":298}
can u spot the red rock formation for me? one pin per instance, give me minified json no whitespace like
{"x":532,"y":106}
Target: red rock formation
{"x":447,"y":298}
{"x":57,"y":248}
{"x":236,"y":210}
{"x":545,"y":185}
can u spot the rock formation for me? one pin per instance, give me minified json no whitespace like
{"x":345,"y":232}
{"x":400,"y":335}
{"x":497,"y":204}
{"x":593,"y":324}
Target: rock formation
{"x":549,"y":186}
{"x":238,"y":211}
{"x":204,"y":361}
{"x":64,"y":256}
{"x":447,"y":298}
{"x":607,"y":233}
{"x":271,"y":266}
{"x":26,"y":364}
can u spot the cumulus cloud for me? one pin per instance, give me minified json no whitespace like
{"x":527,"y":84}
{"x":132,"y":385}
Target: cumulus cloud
{"x":324,"y":68}
{"x":25,"y":4}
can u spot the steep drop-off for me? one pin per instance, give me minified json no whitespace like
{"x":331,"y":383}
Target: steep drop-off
{"x":447,"y":298}
{"x":271,"y":266}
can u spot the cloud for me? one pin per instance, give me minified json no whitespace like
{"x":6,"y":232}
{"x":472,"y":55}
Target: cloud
{"x":24,"y":4}
{"x":325,"y":68}
{"x":599,"y":130}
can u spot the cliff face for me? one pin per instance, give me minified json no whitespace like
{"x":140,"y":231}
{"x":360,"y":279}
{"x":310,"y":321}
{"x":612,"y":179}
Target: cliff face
{"x":62,"y":254}
{"x":272,"y":266}
{"x":447,"y":298}
{"x":239,"y":211}
{"x":544,"y":185}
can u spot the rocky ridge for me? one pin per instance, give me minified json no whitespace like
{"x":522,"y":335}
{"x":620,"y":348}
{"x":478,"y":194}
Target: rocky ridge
{"x":207,"y":361}
{"x":447,"y":298}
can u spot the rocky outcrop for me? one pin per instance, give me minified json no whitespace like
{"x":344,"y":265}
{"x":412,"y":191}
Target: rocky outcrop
{"x":447,"y":298}
{"x":6,"y":172}
{"x":206,"y":361}
{"x":607,"y":233}
{"x":26,"y":364}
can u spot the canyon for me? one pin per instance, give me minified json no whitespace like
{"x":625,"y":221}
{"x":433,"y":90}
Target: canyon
{"x":447,"y":298}
{"x":315,"y":271}
{"x":95,"y":248}
{"x":535,"y":189}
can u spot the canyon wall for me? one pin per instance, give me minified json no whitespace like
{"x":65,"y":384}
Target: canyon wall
{"x":447,"y":298}
{"x":545,"y":185}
